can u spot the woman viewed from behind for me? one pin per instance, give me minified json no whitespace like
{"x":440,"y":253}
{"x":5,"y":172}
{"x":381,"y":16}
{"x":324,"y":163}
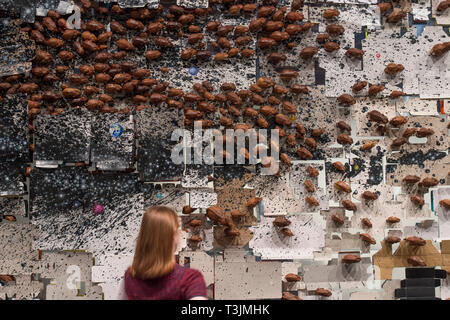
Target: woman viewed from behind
{"x":154,"y":274}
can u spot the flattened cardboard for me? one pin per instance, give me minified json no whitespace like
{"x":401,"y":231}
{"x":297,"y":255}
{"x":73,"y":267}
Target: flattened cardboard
{"x":201,"y":261}
{"x":385,"y":260}
{"x":337,"y":271}
{"x":231,"y":199}
{"x":445,"y":250}
{"x":245,"y":281}
{"x":23,"y":288}
{"x":416,"y":106}
{"x":442,"y":213}
{"x":205,"y":231}
{"x":278,"y":196}
{"x":396,"y":172}
{"x":221,"y":240}
{"x":308,"y":237}
{"x":437,"y":141}
{"x":442,"y":18}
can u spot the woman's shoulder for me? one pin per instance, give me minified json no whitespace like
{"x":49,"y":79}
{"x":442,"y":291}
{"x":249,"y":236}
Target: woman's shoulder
{"x":183,"y":272}
{"x":178,"y":273}
{"x":191,"y":271}
{"x":191,"y":274}
{"x":193,"y":284}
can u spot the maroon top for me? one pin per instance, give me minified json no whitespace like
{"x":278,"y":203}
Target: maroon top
{"x":181,"y":284}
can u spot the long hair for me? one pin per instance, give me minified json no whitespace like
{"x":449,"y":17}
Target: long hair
{"x":153,"y":256}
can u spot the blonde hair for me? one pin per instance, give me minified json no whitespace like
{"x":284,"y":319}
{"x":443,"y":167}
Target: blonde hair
{"x":154,"y":256}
